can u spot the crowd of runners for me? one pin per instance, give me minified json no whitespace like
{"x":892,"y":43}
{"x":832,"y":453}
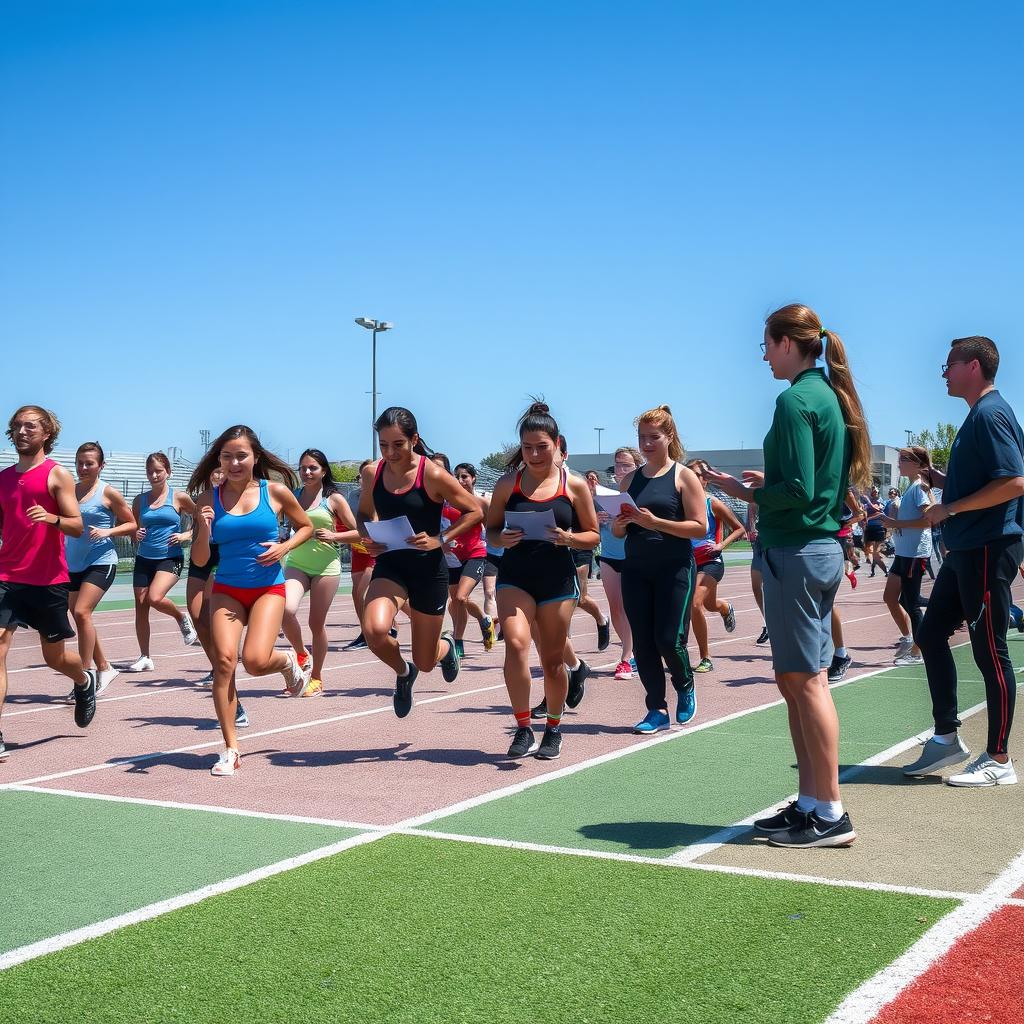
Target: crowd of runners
{"x":261,"y":537}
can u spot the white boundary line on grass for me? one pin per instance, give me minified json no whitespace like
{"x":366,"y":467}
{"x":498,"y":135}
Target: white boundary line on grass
{"x":864,"y":1003}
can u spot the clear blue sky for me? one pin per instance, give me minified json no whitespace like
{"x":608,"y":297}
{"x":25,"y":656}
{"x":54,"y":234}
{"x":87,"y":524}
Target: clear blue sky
{"x":595,"y":201}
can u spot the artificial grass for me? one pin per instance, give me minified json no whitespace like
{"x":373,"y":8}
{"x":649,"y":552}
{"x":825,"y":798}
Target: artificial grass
{"x":67,"y":862}
{"x":409,"y":929}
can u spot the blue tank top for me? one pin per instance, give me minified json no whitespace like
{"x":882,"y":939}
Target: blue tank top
{"x":160,"y":523}
{"x":240,"y":541}
{"x":82,"y":552}
{"x":611,"y":546}
{"x":712,"y":535}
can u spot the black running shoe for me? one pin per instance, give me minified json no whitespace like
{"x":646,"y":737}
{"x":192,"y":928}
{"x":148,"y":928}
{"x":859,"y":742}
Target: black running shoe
{"x":577,"y":679}
{"x":450,"y":662}
{"x":524,"y":743}
{"x":541,"y":710}
{"x":500,"y":637}
{"x":393,"y":633}
{"x":3,"y":749}
{"x":85,"y":700}
{"x":550,"y":745}
{"x":359,"y":644}
{"x":789,"y":817}
{"x":763,"y":637}
{"x":838,"y":668}
{"x":816,"y":831}
{"x":604,"y":635}
{"x":403,"y":692}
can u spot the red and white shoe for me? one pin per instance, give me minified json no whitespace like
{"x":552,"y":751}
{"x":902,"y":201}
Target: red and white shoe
{"x":228,"y":763}
{"x":623,"y":670}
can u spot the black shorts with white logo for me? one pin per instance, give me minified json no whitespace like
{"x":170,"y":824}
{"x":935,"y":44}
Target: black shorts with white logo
{"x":42,"y":608}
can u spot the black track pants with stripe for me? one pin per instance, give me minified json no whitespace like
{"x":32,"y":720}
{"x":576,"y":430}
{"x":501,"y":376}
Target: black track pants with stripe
{"x":973,"y":585}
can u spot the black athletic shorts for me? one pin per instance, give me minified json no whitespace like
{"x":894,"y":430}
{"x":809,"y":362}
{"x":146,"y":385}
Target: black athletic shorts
{"x":545,"y":581}
{"x":612,"y":563}
{"x":583,"y":559}
{"x":147,"y":568}
{"x":715,"y":568}
{"x":101,"y":576}
{"x":44,"y":609}
{"x":472,"y":567}
{"x":874,"y":533}
{"x":491,"y":564}
{"x":422,"y":575}
{"x":204,"y":572}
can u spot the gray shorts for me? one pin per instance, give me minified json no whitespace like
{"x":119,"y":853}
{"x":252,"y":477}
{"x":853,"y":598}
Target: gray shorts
{"x":756,"y":557}
{"x":715,"y":569}
{"x":800,"y":585}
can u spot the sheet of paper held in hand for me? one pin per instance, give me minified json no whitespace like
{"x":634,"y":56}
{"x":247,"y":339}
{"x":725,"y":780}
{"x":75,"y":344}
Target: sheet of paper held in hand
{"x":392,"y":533}
{"x":612,"y":503}
{"x":535,"y":525}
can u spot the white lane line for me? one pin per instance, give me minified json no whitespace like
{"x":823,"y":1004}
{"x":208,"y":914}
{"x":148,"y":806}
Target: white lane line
{"x":362,"y":826}
{"x":865,"y":1002}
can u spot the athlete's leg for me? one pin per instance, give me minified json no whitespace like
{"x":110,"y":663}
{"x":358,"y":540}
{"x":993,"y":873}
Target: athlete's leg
{"x":458,"y":612}
{"x":384,"y":599}
{"x":157,"y":598}
{"x":427,"y":646}
{"x":613,"y":591}
{"x":757,"y":589}
{"x":586,"y":603}
{"x":227,"y":620}
{"x":322,"y":591}
{"x":259,"y":656}
{"x":460,"y":599}
{"x":697,"y":620}
{"x":82,"y":604}
{"x":6,"y":637}
{"x":553,"y":620}
{"x":142,"y":630}
{"x":817,"y":733}
{"x":891,"y":596}
{"x":296,"y":584}
{"x":516,"y":611}
{"x":490,"y":599}
{"x":60,"y":659}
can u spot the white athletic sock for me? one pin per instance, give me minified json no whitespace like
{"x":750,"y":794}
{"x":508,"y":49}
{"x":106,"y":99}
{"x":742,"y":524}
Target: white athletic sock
{"x":402,"y":675}
{"x":947,"y":739}
{"x":805,"y":803}
{"x":829,"y":810}
{"x":841,"y":652}
{"x":572,"y":668}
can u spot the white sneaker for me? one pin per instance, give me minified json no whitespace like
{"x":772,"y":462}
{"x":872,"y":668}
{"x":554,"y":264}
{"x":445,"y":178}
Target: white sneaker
{"x":228,"y":763}
{"x":295,"y":675}
{"x":908,"y":659}
{"x":188,"y":631}
{"x":105,"y":677}
{"x":904,"y":646}
{"x":984,"y":770}
{"x":144,"y":664}
{"x":207,"y":680}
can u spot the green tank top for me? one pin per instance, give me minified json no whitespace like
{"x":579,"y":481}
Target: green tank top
{"x":315,"y":558}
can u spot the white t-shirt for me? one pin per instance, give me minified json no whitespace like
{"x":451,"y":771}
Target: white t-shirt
{"x":913,"y":543}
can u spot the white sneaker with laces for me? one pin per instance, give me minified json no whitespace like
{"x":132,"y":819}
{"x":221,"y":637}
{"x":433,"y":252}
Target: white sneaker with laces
{"x":227,"y":764}
{"x":144,"y":664}
{"x":985,"y":770}
{"x":904,"y":646}
{"x":105,"y":677}
{"x":908,"y":659}
{"x":295,"y":675}
{"x":188,"y":631}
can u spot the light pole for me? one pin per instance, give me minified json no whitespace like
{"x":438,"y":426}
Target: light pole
{"x":909,"y":434}
{"x":599,"y":432}
{"x":375,"y":326}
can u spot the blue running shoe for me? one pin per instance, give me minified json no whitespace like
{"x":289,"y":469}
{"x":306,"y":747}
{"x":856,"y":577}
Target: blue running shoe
{"x":632,"y":664}
{"x":687,"y":706}
{"x":654,"y":722}
{"x":241,"y":717}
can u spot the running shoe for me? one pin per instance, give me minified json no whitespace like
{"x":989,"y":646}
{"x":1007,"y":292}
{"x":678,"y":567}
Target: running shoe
{"x":654,"y":721}
{"x":524,"y":742}
{"x":70,"y":698}
{"x":787,"y":817}
{"x":403,"y":691}
{"x":935,"y":756}
{"x":984,"y":770}
{"x":393,"y":633}
{"x":852,"y":579}
{"x":188,"y":631}
{"x":705,"y":665}
{"x":500,"y":636}
{"x":814,"y":832}
{"x":4,"y":752}
{"x":296,"y":674}
{"x":241,"y":717}
{"x":359,"y":644}
{"x":632,"y":664}
{"x":908,"y":659}
{"x":838,"y":668}
{"x":604,"y":637}
{"x":105,"y":677}
{"x":904,"y":646}
{"x":686,"y":706}
{"x":227,"y":764}
{"x":207,"y":680}
{"x":144,"y":664}
{"x":623,"y":671}
{"x":85,"y":700}
{"x":460,"y":648}
{"x":577,"y":679}
{"x":550,"y":748}
{"x":487,"y":631}
{"x":762,"y":637}
{"x":302,"y":657}
{"x":729,"y":618}
{"x":450,"y":662}
{"x":541,"y":710}
{"x":314,"y":688}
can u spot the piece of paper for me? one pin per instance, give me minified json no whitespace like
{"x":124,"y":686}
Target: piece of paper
{"x":451,"y":560}
{"x":392,"y":533}
{"x":612,"y":503}
{"x":534,"y":525}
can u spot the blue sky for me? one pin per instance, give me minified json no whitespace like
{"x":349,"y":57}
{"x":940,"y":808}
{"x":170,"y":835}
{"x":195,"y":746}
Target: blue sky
{"x":598,"y":202}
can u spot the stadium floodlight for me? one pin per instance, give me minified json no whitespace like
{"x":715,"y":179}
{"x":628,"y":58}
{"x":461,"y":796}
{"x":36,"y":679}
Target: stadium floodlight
{"x":376,"y":326}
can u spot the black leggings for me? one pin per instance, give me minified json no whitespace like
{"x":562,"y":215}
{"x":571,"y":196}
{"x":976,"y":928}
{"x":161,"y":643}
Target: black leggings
{"x":911,"y":573}
{"x":657,"y":601}
{"x":973,"y":585}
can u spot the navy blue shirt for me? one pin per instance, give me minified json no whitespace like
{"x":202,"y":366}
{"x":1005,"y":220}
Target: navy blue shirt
{"x":989,"y":446}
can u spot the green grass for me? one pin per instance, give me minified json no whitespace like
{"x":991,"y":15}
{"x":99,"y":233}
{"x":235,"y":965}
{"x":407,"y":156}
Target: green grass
{"x":432,"y":932}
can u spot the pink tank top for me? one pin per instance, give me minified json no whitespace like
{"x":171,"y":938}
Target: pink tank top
{"x":31,"y":552}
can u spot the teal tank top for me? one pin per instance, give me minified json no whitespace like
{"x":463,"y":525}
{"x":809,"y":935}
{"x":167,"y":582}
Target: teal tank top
{"x":240,"y":541}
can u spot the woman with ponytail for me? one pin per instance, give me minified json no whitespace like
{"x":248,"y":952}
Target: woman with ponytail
{"x":818,"y":442}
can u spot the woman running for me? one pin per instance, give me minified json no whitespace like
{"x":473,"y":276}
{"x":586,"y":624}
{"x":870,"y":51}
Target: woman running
{"x":159,"y":558}
{"x":362,"y":570}
{"x":874,"y":531}
{"x":315,"y":567}
{"x":241,"y":518}
{"x":405,"y":482}
{"x":818,"y":440}
{"x":707,"y":556}
{"x":613,"y":555}
{"x":658,"y":576}
{"x":537,"y":580}
{"x":471,"y":552}
{"x":92,"y":557}
{"x":756,"y":570}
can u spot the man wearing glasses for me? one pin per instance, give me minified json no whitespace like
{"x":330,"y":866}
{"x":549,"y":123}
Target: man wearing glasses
{"x":982,"y":517}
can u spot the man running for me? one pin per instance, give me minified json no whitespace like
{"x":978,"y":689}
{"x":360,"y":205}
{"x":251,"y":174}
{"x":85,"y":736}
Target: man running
{"x":37,"y":508}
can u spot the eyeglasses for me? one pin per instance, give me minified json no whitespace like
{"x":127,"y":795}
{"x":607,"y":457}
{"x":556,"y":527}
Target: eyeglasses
{"x":953,"y":362}
{"x":764,"y":348}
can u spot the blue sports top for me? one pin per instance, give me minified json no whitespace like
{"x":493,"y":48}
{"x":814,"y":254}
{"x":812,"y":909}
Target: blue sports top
{"x":82,"y":552}
{"x":612,"y":546}
{"x":240,"y":540}
{"x":160,"y":523}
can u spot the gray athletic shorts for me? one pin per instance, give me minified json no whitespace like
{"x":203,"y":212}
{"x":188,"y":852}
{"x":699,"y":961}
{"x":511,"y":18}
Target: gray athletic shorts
{"x":715,"y":569}
{"x":756,"y":557}
{"x":800,"y":585}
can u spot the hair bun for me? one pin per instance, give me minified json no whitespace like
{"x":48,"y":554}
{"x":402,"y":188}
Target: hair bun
{"x":541,"y":408}
{"x":665,"y":408}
